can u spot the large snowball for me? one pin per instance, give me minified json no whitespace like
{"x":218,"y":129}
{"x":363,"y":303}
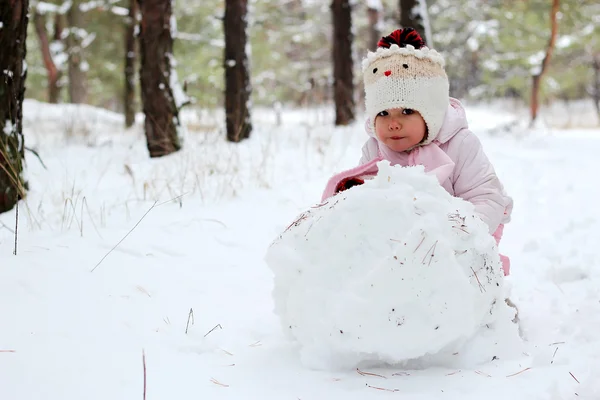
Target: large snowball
{"x":390,"y":271}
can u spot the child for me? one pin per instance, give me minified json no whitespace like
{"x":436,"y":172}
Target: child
{"x":413,"y":121}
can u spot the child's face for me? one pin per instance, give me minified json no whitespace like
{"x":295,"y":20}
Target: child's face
{"x":400,"y":128}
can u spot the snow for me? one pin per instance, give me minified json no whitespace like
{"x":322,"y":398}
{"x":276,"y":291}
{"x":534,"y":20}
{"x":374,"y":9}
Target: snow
{"x":374,"y":5}
{"x":179,"y":95}
{"x":43,"y":7}
{"x":68,"y":333}
{"x":87,"y":39}
{"x":173,"y":23}
{"x":120,"y":11}
{"x":564,"y":41}
{"x":353,"y":288}
{"x":8,"y":127}
{"x":90,"y":5}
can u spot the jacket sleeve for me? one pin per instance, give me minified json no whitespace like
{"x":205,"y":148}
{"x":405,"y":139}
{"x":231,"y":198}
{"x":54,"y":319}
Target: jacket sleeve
{"x":476,"y":182}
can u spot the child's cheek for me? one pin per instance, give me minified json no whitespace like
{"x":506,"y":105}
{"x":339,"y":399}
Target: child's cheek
{"x":378,"y":130}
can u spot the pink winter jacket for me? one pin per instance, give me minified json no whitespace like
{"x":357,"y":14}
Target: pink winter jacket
{"x":472,"y":177}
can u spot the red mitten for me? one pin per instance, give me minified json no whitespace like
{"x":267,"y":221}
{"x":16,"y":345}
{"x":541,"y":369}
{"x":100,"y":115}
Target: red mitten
{"x":347,"y":183}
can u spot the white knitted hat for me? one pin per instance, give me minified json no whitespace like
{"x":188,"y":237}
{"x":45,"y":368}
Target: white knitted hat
{"x":404,"y":73}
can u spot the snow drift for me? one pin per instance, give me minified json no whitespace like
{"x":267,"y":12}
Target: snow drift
{"x":390,"y":271}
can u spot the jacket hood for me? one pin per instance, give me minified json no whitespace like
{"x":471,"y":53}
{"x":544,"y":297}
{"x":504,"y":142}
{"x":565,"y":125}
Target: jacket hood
{"x":454,"y":121}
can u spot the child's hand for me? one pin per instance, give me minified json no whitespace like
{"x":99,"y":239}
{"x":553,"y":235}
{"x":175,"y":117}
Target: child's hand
{"x":347,"y":183}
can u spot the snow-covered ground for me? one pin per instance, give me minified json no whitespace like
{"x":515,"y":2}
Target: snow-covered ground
{"x":120,"y":256}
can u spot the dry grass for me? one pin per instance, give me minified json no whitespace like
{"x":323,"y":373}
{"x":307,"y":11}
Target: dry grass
{"x":216,"y":382}
{"x":207,"y":168}
{"x":517,"y":373}
{"x":369,"y":374}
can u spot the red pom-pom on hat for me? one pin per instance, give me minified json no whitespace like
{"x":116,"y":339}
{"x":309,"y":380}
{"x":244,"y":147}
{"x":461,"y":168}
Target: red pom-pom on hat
{"x":402,"y":38}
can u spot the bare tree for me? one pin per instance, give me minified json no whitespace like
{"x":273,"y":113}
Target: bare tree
{"x":237,"y":75}
{"x":53,"y":72}
{"x":343,"y":77}
{"x":413,"y":14}
{"x":374,"y":9}
{"x":130,"y":57}
{"x":13,"y":35}
{"x":596,"y":83}
{"x":77,"y":75}
{"x":537,"y":78}
{"x":159,"y":103}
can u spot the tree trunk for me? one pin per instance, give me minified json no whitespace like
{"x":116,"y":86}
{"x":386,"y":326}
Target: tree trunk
{"x":156,"y":49}
{"x":130,"y":57}
{"x":237,"y":75}
{"x":54,"y":74}
{"x":77,"y":76}
{"x":537,"y":78}
{"x":413,"y":14}
{"x":13,"y":35}
{"x":57,"y":40}
{"x":343,"y":77}
{"x":374,"y":33}
{"x":596,"y":88}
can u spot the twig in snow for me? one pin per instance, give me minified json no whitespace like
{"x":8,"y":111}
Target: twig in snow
{"x":216,"y":382}
{"x":555,"y":343}
{"x":256,"y":344}
{"x":574,"y":377}
{"x":320,"y":205}
{"x":141,"y":289}
{"x":216,"y":326}
{"x":384,"y":389}
{"x":453,"y":373}
{"x":173,"y":199}
{"x":422,"y":240}
{"x":144,"y":365}
{"x":552,"y":362}
{"x":7,"y":351}
{"x":476,"y":277}
{"x":520,"y":372}
{"x":190,"y":316}
{"x":309,"y":228}
{"x":369,"y":374}
{"x":226,"y":352}
{"x":432,"y":250}
{"x":16,"y":227}
{"x":400,"y":374}
{"x":124,"y":237}
{"x":296,"y":222}
{"x":4,"y":226}
{"x":559,"y":288}
{"x":462,"y":229}
{"x":482,"y":374}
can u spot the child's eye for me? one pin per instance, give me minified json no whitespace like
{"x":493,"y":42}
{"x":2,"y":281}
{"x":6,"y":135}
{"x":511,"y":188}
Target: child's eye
{"x":382,"y":113}
{"x":408,"y":111}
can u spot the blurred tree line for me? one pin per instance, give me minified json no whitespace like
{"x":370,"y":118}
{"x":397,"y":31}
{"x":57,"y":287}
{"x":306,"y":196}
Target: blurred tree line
{"x":492,"y":48}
